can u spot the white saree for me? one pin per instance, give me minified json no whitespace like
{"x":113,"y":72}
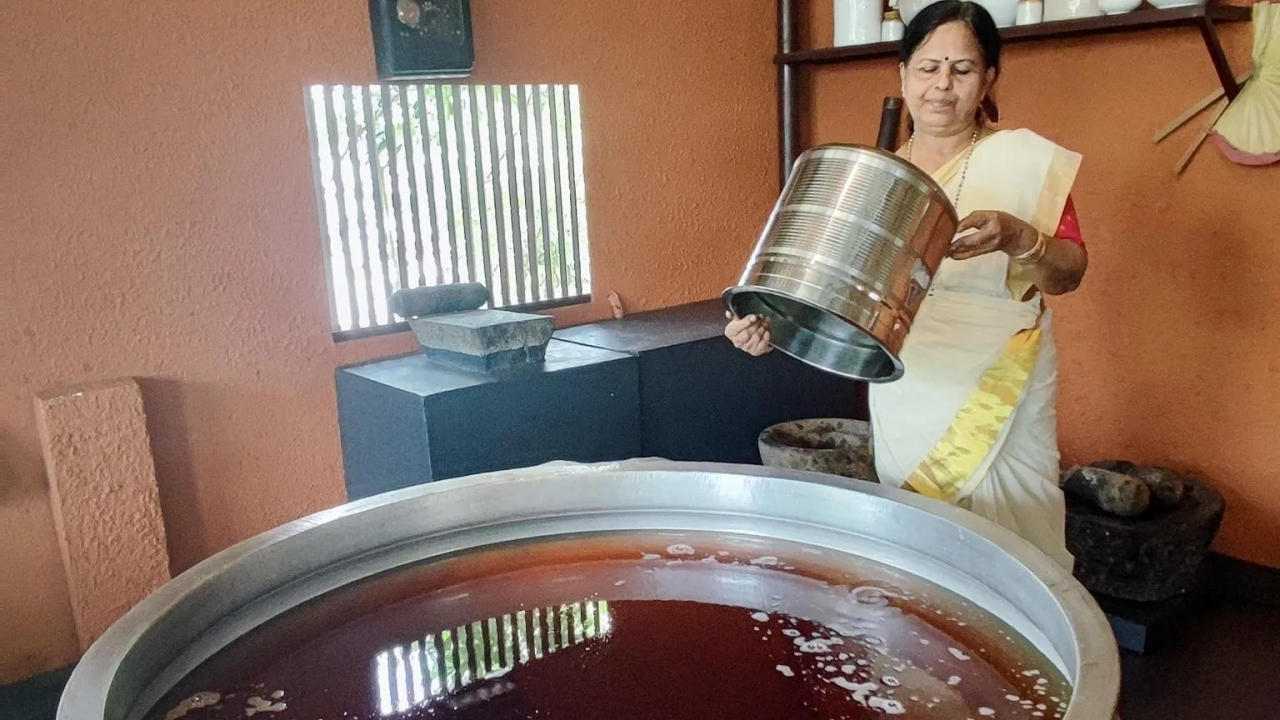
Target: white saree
{"x":973,"y":419}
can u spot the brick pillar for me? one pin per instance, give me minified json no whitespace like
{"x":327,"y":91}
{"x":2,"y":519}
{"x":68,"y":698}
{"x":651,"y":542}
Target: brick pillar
{"x":106,"y":508}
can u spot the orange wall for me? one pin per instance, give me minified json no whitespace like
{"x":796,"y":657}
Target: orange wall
{"x":157,"y":220}
{"x":1169,"y":351}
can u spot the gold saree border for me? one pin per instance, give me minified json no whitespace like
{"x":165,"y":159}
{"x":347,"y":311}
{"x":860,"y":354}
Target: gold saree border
{"x":949,"y":471}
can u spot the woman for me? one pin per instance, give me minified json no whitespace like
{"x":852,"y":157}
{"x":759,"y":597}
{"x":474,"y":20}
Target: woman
{"x":972,"y":421}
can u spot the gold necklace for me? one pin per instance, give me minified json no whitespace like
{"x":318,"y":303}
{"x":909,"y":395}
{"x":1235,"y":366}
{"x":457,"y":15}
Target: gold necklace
{"x":964,"y":171}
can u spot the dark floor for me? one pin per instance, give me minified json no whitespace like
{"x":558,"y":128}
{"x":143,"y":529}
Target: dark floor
{"x":1225,"y":666}
{"x":35,"y":699}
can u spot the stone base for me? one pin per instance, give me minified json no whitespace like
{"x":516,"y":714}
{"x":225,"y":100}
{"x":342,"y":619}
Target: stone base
{"x":484,"y":340}
{"x":836,"y":446}
{"x":499,"y":362}
{"x":1149,"y":558}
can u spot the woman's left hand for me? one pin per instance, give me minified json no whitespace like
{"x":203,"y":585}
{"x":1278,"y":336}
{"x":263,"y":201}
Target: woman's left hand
{"x":993,"y":231}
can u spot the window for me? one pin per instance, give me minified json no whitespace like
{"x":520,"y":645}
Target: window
{"x":422,"y":185}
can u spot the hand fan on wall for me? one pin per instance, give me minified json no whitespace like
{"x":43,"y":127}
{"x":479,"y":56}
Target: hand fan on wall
{"x":1248,"y":131}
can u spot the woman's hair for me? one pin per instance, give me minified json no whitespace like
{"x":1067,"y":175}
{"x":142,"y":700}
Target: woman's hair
{"x":971,"y":14}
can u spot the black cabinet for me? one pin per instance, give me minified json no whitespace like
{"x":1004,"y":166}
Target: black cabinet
{"x":703,"y":399}
{"x":408,"y":420}
{"x":659,"y":384}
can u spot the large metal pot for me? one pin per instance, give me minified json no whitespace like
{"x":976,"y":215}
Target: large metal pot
{"x":846,"y":257}
{"x":142,"y":656}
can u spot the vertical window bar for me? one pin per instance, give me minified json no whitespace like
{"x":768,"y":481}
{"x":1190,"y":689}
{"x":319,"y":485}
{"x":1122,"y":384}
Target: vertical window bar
{"x":376,"y":189}
{"x":429,"y":180}
{"x":412,"y":251}
{"x":435,"y":677}
{"x":579,"y":625}
{"x":570,"y":131}
{"x":464,"y":182}
{"x":517,"y":242}
{"x":311,"y":95}
{"x":440,"y":180}
{"x":539,"y":144}
{"x":478,"y":649}
{"x":481,"y":203}
{"x":495,"y":173}
{"x":561,"y":235}
{"x":402,"y":680}
{"x":606,"y":620}
{"x":447,"y":652}
{"x":347,"y":168}
{"x":508,"y":642}
{"x":417,"y":678}
{"x":580,"y":194}
{"x":331,"y":120}
{"x":410,"y":165}
{"x":522,"y":106}
{"x":495,"y":646}
{"x":384,"y":684}
{"x":565,"y":625}
{"x":590,"y":618}
{"x":522,"y":638}
{"x":464,"y":657}
{"x":536,"y":622}
{"x":389,"y":141}
{"x":446,"y":164}
{"x":551,"y":630}
{"x":357,"y":179}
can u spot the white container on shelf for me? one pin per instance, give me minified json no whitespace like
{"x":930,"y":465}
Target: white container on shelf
{"x":1002,"y":11}
{"x":909,"y":8}
{"x":1031,"y":12}
{"x":1118,"y":7}
{"x":1070,"y":9}
{"x":1165,"y":4}
{"x":892,"y":28}
{"x":858,"y":21}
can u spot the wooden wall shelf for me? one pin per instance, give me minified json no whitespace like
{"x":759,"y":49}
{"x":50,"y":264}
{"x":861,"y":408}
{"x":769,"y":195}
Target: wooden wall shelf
{"x":791,"y":60}
{"x":1136,"y":20}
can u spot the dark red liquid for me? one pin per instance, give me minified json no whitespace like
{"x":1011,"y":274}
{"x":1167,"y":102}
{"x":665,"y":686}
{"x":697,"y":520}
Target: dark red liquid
{"x":630,"y":625}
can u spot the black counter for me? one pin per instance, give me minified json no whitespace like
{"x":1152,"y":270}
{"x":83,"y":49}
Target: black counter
{"x":659,"y":384}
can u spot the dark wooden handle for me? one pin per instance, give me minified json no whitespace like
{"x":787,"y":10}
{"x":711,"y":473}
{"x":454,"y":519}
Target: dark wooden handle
{"x":890,"y":119}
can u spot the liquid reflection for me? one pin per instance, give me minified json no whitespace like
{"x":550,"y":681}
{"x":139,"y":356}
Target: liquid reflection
{"x":445,"y":664}
{"x":697,"y":627}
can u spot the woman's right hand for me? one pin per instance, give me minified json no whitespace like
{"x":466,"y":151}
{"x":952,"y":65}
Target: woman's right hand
{"x":749,"y":334}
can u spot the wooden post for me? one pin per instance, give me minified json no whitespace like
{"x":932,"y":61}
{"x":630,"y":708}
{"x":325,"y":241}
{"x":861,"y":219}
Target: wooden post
{"x":890,"y":119}
{"x":787,"y":92}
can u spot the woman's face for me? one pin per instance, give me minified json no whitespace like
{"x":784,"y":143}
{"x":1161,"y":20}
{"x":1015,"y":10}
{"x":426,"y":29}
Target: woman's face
{"x":945,"y":80}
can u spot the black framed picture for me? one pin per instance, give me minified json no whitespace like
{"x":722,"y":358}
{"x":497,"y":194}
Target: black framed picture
{"x":422,"y":38}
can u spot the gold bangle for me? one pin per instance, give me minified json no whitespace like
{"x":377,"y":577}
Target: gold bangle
{"x":1035,"y":253}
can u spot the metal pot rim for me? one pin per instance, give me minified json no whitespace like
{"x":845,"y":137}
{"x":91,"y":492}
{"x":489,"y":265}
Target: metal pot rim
{"x":735,"y":290}
{"x":193,"y":616}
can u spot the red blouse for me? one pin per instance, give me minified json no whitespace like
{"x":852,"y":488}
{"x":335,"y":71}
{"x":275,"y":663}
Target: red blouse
{"x":1069,"y":225}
